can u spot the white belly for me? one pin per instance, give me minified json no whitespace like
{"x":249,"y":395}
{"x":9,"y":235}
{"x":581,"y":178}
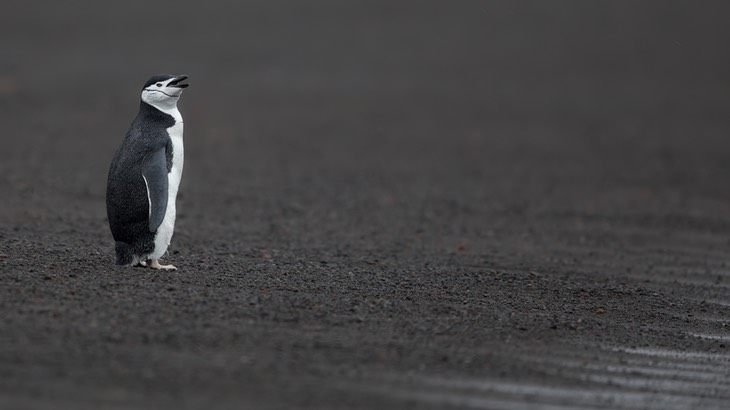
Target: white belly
{"x":164,"y":232}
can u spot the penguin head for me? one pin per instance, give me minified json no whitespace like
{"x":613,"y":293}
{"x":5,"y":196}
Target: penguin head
{"x":163,"y":90}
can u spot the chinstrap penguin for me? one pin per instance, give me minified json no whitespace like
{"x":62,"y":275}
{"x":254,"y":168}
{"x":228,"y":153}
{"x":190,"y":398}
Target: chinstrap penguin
{"x":145,"y":175}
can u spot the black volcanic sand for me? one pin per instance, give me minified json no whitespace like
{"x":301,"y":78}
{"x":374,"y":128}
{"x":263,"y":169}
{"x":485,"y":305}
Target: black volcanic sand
{"x":385,"y":205}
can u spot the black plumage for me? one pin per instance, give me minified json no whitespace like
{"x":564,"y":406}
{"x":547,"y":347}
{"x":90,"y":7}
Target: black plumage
{"x":145,"y":153}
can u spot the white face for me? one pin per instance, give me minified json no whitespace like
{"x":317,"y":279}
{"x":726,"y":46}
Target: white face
{"x":163,"y":94}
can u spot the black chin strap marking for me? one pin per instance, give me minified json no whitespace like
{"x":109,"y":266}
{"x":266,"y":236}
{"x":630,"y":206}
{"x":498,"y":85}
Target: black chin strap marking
{"x":158,"y":91}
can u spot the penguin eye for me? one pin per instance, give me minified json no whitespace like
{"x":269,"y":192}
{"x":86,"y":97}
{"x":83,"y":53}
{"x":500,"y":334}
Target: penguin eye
{"x":159,"y":84}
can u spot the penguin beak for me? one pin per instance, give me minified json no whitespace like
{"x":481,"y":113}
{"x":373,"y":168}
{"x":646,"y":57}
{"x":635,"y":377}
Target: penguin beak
{"x":177,"y":80}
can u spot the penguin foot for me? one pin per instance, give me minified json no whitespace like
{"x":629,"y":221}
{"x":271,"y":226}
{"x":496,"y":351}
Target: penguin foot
{"x":141,"y":263}
{"x":155,"y":264}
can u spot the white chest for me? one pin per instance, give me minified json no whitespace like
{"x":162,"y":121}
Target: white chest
{"x":178,"y":158}
{"x":164,"y":232}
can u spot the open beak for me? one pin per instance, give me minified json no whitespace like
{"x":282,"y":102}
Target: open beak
{"x":176,"y":82}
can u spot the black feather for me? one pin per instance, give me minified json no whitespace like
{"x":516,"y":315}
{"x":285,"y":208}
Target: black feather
{"x":144,"y":149}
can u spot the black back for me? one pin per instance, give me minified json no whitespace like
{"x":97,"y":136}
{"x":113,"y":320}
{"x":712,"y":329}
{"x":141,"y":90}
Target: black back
{"x":126,"y":196}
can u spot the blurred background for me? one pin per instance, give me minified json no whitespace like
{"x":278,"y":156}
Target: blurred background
{"x":481,"y":118}
{"x":478,"y":189}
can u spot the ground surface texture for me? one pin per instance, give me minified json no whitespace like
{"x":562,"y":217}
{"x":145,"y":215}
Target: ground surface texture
{"x":384,"y":205}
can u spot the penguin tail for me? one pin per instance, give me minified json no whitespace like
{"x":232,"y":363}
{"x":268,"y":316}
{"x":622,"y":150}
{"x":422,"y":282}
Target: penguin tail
{"x":125,"y":254}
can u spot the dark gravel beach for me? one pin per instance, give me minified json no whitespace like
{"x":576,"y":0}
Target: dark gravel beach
{"x":413,"y":204}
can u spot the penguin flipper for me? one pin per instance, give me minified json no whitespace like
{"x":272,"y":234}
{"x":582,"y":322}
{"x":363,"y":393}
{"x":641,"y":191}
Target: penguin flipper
{"x":154,"y":172}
